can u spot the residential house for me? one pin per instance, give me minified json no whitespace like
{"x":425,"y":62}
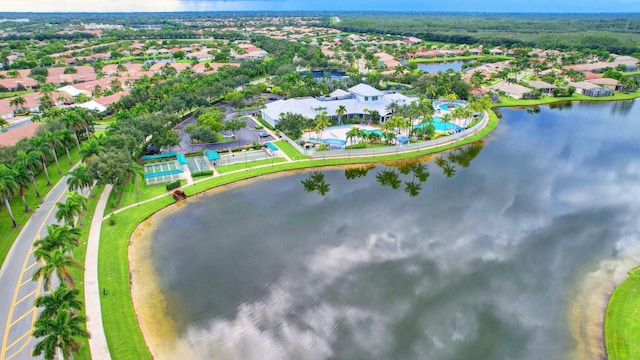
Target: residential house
{"x":590,"y":89}
{"x":512,"y":90}
{"x":545,"y":87}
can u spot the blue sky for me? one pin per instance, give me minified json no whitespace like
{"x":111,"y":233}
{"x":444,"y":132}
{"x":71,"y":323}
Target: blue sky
{"x":328,"y":5}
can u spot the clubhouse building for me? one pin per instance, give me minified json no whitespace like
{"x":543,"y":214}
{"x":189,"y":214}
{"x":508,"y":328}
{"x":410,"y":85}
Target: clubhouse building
{"x":359,"y":101}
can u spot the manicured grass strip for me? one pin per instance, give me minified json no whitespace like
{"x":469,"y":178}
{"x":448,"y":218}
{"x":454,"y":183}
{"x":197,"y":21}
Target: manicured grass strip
{"x":291,"y":152}
{"x":456,"y":58}
{"x":79,"y":254}
{"x":621,"y":325}
{"x":240,"y":166}
{"x":121,"y":328}
{"x":9,"y":235}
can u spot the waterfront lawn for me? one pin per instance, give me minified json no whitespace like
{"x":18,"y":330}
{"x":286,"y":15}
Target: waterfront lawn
{"x":510,"y":102}
{"x":291,"y":152}
{"x":121,"y":328}
{"x":251,"y":164}
{"x":456,"y":58}
{"x":621,"y":326}
{"x":9,"y":235}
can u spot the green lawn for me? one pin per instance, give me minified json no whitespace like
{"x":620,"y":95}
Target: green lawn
{"x":121,"y":328}
{"x":239,"y":166}
{"x":131,"y":196}
{"x":621,"y":326}
{"x":510,"y":102}
{"x":455,"y":58}
{"x":291,"y":152}
{"x":9,"y":235}
{"x":4,"y":95}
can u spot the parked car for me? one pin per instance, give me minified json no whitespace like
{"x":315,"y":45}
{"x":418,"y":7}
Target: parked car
{"x":264,"y":134}
{"x":228,"y":136}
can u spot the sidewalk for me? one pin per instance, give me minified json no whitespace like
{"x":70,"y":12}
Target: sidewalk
{"x":92,"y":291}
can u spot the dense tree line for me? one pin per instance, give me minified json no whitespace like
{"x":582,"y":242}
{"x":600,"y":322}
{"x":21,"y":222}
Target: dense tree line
{"x":614,"y":33}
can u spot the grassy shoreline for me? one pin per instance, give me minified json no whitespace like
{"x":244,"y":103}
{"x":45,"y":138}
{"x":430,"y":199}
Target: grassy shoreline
{"x":458,"y":58}
{"x":621,"y":326}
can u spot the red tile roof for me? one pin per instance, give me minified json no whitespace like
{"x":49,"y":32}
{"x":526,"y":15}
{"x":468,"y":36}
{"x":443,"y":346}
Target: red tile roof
{"x":11,"y":137}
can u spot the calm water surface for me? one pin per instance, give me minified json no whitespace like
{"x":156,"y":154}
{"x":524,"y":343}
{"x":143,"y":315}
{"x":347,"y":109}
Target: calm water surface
{"x":477,"y":260}
{"x":433,"y":68}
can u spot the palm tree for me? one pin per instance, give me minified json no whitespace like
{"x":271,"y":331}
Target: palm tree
{"x":59,"y":332}
{"x":80,"y":179}
{"x":73,"y":122}
{"x":353,"y":133}
{"x":58,"y":262}
{"x":340,"y":111}
{"x":8,"y":186}
{"x":66,"y":138}
{"x":30,"y":160}
{"x":17,"y":102}
{"x":62,"y":298}
{"x":22,"y":176}
{"x":321,"y":123}
{"x":66,"y":213}
{"x":79,"y":203}
{"x":90,"y":148}
{"x":60,"y":237}
{"x":54,"y":141}
{"x":40,"y":145}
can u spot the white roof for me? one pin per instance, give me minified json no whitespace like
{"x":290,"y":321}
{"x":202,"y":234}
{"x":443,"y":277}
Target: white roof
{"x":365,"y":90}
{"x":310,"y":107}
{"x":92,"y":105}
{"x":538,"y":84}
{"x":583,"y":85}
{"x":339,"y":93}
{"x":72,"y":90}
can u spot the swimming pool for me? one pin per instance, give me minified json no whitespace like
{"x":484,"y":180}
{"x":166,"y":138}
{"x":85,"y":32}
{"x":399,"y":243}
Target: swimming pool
{"x":449,"y":106}
{"x":442,"y":126}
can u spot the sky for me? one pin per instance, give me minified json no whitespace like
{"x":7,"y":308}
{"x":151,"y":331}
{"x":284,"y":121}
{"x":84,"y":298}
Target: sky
{"x":562,"y":6}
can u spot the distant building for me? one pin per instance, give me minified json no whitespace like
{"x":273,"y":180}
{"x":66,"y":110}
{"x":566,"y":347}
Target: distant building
{"x":590,"y":89}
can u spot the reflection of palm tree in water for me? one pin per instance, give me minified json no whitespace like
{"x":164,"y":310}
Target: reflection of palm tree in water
{"x":316,"y":183}
{"x":412,"y":173}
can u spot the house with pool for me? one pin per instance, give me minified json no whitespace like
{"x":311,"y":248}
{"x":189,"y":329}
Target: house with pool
{"x":358,"y":100}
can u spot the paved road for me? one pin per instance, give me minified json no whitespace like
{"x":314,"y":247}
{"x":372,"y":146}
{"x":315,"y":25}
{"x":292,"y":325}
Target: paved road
{"x":17,"y":313}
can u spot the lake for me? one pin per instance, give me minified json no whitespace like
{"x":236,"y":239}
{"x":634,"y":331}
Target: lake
{"x":478,"y":253}
{"x":434,"y":67}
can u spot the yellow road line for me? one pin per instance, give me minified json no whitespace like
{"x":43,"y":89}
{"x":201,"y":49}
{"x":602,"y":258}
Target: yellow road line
{"x":25,"y":282}
{"x":19,"y":339}
{"x":31,"y":266}
{"x":3,"y":349}
{"x":22,"y":317}
{"x":26,"y":296}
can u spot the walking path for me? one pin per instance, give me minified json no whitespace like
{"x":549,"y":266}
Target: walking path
{"x":98,"y":340}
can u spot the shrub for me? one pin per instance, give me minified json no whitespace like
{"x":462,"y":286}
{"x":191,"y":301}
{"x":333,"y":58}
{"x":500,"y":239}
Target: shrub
{"x":112,"y":219}
{"x":202,"y":173}
{"x":173,"y":185}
